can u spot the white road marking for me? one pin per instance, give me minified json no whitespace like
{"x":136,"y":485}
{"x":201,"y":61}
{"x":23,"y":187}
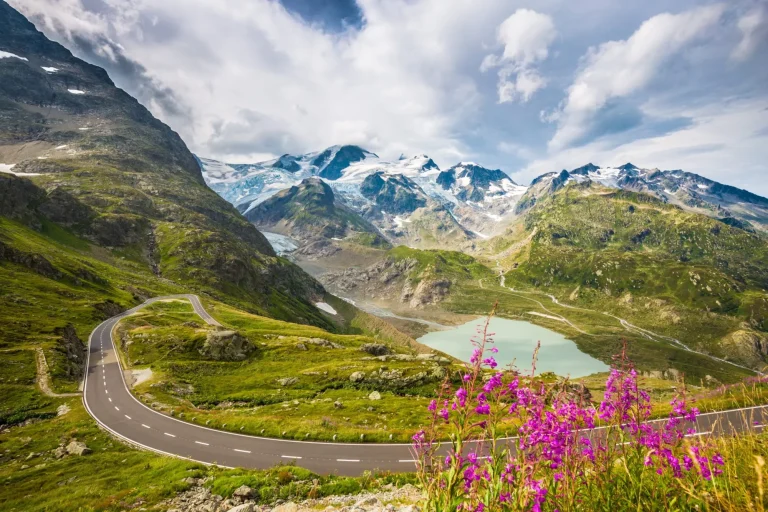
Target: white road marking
{"x":106,"y":391}
{"x":145,"y":426}
{"x":698,"y":434}
{"x":117,"y":408}
{"x":242,"y":451}
{"x":347,"y":460}
{"x":127,"y":416}
{"x":110,"y":399}
{"x":290,"y":457}
{"x":202,"y":443}
{"x":406,"y":460}
{"x":169,"y":435}
{"x":758,"y":426}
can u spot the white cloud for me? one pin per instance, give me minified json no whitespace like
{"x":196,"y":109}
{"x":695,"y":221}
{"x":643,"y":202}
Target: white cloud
{"x":259,"y":79}
{"x":754,"y":31}
{"x":526,"y":37}
{"x":726,"y":143}
{"x":619,"y":68}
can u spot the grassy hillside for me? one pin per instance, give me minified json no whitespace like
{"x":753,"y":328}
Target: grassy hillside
{"x":287,"y":380}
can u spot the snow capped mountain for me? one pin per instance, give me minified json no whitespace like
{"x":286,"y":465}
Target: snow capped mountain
{"x":382,"y":191}
{"x":470,"y":182}
{"x":685,"y":189}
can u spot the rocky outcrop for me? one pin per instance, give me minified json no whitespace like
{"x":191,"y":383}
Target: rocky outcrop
{"x":747,"y":347}
{"x":34,"y":262}
{"x":73,"y":352}
{"x":198,"y":498}
{"x":226,"y":346}
{"x":376,"y":349}
{"x":428,"y":292}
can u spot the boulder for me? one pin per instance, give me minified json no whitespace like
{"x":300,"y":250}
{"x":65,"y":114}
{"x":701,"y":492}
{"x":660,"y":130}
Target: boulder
{"x":376,"y":349}
{"x":245,"y":507}
{"x":357,"y":377}
{"x":375,"y":395}
{"x":77,"y":448}
{"x":62,"y":410}
{"x":60,"y":452}
{"x":244,"y":492}
{"x":226,"y":346}
{"x":287,"y":381}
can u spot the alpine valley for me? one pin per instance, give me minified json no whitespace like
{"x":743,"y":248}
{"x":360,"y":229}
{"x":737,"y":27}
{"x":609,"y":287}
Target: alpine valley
{"x":668,"y":258}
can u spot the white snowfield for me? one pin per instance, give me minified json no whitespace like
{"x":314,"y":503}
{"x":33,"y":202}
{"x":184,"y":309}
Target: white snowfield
{"x":76,"y":91}
{"x":49,"y":69}
{"x":9,"y":55}
{"x":326,"y":307}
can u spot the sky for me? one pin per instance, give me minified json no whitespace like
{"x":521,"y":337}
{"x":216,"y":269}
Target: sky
{"x":525,"y":86}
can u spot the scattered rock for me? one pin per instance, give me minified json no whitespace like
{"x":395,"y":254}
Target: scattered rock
{"x":287,"y":381}
{"x":301,"y":346}
{"x":357,"y":377}
{"x":338,"y":405}
{"x":376,"y":349}
{"x":375,"y":395}
{"x":77,"y":448}
{"x":62,"y":410}
{"x":286,"y":507}
{"x":243,"y":492}
{"x":226,"y":346}
{"x":245,"y":507}
{"x":59,"y":452}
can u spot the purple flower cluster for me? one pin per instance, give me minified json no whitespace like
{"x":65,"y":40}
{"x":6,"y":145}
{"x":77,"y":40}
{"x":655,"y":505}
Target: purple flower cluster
{"x":560,"y":444}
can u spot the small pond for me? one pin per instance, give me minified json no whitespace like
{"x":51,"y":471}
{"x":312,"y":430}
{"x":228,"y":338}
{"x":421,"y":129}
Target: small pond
{"x":516,"y":341}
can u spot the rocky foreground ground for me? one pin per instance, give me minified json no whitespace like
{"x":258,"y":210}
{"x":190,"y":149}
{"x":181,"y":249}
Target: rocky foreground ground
{"x":389,"y":499}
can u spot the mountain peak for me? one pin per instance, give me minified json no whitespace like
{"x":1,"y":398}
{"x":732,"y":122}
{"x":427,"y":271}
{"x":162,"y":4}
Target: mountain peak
{"x":628,"y":167}
{"x":585,"y":169}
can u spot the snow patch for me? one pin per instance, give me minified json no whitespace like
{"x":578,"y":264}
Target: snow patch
{"x":325,"y":307}
{"x":63,"y":146}
{"x":280,"y":243}
{"x":9,"y":55}
{"x":76,"y":92}
{"x":49,"y":69}
{"x":6,"y":168}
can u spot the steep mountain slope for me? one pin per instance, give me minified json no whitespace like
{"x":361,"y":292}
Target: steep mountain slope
{"x":692,"y":277}
{"x":109,"y":205}
{"x":309,"y":213}
{"x":685,"y":189}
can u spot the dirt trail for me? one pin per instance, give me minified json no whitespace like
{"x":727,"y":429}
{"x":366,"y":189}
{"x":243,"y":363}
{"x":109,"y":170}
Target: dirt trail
{"x":43,"y":380}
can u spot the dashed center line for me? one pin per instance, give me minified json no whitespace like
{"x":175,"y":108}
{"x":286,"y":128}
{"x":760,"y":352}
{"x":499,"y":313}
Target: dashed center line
{"x":145,"y":426}
{"x":347,"y":460}
{"x":290,"y":457}
{"x":407,"y":460}
{"x":117,"y":408}
{"x":202,"y":443}
{"x":110,"y":399}
{"x":242,"y":451}
{"x":169,"y":435}
{"x":128,"y":417}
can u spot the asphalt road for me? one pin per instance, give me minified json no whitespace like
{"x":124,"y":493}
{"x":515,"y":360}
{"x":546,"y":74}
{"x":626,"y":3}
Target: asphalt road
{"x":108,"y":400}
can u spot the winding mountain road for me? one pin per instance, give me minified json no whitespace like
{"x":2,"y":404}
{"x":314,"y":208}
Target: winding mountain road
{"x":108,"y":399}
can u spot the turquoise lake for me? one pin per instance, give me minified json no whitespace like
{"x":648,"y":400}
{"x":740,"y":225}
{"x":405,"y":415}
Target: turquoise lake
{"x":516,"y":341}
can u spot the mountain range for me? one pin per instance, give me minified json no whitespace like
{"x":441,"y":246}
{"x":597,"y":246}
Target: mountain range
{"x":412,"y":201}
